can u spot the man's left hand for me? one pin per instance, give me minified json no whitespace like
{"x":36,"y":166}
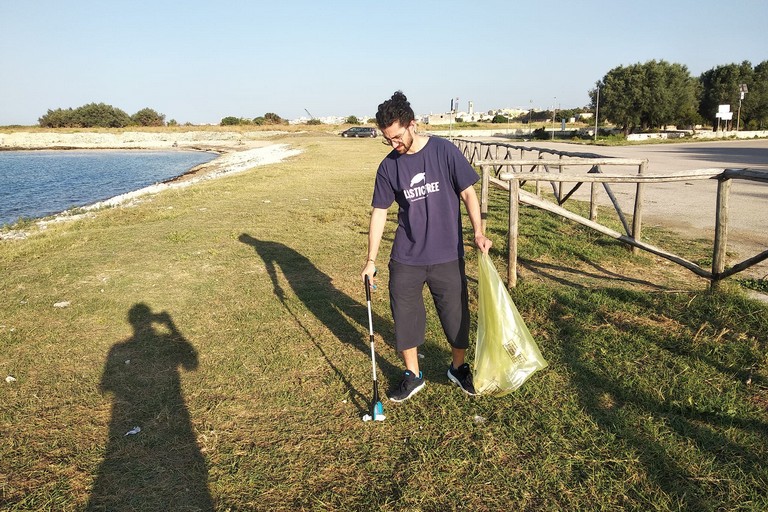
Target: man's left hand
{"x":483,"y":243}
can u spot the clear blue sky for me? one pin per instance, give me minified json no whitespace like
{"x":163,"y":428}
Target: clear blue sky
{"x":198,"y":61}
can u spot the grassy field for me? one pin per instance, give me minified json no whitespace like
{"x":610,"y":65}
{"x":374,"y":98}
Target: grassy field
{"x":228,"y":322}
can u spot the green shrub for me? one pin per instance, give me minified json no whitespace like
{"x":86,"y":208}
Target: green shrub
{"x":148,"y":117}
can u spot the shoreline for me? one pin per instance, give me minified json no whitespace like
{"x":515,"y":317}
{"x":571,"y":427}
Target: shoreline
{"x":199,"y":140}
{"x":236,"y":154}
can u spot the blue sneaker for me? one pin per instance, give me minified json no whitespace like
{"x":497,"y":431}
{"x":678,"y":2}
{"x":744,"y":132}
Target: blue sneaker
{"x":409,"y":386}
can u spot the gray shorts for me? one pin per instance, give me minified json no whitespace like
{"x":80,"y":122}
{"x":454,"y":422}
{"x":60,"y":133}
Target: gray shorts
{"x":447,"y":283}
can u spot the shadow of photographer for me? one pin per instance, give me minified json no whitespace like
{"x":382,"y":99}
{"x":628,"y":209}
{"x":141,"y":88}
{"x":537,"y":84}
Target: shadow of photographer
{"x":157,"y":466}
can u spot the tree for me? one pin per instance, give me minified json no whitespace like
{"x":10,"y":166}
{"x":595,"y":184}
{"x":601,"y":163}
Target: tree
{"x":755,"y":105}
{"x":102,"y":115}
{"x":86,"y":116}
{"x":720,"y":86}
{"x":273,"y":118}
{"x":269,"y":118}
{"x":620,"y":93}
{"x":148,"y":117}
{"x":352,"y":120}
{"x":647,"y":95}
{"x":58,"y":118}
{"x":230,"y":121}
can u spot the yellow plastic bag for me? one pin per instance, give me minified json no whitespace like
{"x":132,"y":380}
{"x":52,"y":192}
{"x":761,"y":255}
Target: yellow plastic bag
{"x":506,"y":354}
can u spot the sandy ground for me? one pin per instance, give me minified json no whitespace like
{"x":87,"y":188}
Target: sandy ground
{"x":688,"y":207}
{"x":239,"y":152}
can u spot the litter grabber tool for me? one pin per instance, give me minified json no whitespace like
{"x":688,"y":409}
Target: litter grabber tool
{"x":377,"y":410}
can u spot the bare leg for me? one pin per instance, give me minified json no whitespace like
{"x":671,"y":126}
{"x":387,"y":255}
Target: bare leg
{"x":411,"y":359}
{"x":458,"y":356}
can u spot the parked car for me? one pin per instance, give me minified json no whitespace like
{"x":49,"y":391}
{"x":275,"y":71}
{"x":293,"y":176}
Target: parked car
{"x":359,"y":131}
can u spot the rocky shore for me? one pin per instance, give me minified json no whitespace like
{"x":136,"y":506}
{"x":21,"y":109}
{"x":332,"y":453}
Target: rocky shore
{"x":193,"y":139}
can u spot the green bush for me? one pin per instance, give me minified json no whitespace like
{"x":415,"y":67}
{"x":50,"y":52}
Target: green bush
{"x":103,"y":116}
{"x":88,"y":116}
{"x":99,"y":115}
{"x":148,"y":117}
{"x":273,"y":118}
{"x":59,"y":118}
{"x":230,"y":121}
{"x":269,"y":118}
{"x":540,"y":134}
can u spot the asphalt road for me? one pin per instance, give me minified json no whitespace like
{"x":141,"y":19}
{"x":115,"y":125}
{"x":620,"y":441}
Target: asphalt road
{"x":688,"y":208}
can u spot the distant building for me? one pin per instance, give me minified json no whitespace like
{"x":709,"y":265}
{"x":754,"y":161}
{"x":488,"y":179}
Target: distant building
{"x":437,"y":119}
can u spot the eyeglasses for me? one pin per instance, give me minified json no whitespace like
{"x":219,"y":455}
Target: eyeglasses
{"x":395,"y":141}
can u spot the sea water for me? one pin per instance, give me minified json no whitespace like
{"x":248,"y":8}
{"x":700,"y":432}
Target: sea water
{"x":36,"y":184}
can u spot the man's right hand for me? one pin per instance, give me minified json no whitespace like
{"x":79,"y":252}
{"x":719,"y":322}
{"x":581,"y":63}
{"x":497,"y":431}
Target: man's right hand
{"x":370,"y":271}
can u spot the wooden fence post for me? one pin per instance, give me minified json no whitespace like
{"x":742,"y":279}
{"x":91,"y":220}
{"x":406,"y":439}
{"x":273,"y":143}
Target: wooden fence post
{"x":484,"y":197}
{"x":721,"y":229}
{"x":637,"y":217}
{"x":514,"y":208}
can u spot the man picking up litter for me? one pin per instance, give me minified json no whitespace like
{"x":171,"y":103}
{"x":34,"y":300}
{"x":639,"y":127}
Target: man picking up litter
{"x":426,"y":176}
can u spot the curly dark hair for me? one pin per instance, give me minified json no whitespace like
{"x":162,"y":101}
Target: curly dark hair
{"x":397,"y":108}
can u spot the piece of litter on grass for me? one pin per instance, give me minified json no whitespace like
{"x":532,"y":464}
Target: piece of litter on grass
{"x":10,"y":379}
{"x":479,"y":420}
{"x":421,"y":356}
{"x":127,"y":361}
{"x":62,"y":304}
{"x":133,"y":431}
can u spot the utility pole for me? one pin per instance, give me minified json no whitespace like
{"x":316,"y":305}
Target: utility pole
{"x":530,"y":112}
{"x":742,"y":91}
{"x":597,"y":110}
{"x":553,"y":117}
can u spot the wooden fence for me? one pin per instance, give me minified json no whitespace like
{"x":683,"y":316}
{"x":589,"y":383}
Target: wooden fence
{"x":511,"y":172}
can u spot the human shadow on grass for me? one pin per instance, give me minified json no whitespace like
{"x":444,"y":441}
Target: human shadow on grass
{"x":160,"y":466}
{"x":335,"y":309}
{"x":626,"y":410}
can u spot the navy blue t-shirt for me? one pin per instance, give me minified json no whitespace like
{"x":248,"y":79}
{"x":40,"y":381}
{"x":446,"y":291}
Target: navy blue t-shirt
{"x":427,"y":187}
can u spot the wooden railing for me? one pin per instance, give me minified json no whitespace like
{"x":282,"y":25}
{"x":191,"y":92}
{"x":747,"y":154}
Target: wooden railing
{"x":503,"y":174}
